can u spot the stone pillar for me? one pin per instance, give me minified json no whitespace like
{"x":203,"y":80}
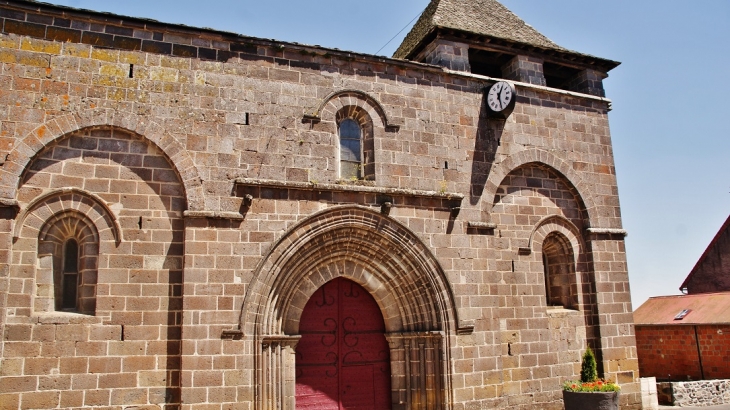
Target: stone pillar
{"x":649,"y":399}
{"x":417,"y":370}
{"x":276,"y":373}
{"x":449,"y":54}
{"x":8,"y":213}
{"x":588,"y":82}
{"x":524,"y":69}
{"x":615,"y":317}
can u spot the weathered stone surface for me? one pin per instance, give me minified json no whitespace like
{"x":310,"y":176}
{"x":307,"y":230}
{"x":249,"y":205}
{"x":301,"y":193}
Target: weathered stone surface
{"x":695,"y":393}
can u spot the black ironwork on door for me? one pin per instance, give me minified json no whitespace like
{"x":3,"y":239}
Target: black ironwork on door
{"x":342,"y":359}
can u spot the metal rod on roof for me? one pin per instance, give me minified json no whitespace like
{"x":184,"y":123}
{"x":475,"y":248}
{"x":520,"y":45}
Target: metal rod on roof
{"x":401,"y":30}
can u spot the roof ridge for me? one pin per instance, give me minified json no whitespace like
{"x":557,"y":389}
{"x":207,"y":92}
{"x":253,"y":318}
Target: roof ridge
{"x":692,"y":295}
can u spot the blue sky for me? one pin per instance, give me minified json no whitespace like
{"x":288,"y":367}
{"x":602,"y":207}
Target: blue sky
{"x":671,"y":96}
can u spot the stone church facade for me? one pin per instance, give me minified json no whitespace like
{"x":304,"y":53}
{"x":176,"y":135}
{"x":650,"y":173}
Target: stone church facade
{"x":186,"y":217}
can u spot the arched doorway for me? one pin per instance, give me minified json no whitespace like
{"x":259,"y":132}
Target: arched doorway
{"x":393,"y":265}
{"x":343,"y":358}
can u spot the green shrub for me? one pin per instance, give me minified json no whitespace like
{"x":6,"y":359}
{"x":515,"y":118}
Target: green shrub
{"x":589,"y":377}
{"x":588,"y":367}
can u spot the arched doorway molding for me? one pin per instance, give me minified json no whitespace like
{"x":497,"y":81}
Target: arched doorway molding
{"x":386,"y":259}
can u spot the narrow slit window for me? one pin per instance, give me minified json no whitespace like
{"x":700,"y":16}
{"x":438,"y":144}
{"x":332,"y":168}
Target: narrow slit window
{"x":350,"y":149}
{"x":70,"y":275}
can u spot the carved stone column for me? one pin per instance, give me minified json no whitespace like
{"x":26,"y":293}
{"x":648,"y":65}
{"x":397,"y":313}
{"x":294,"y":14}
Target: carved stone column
{"x":275,"y":373}
{"x":417,"y":370}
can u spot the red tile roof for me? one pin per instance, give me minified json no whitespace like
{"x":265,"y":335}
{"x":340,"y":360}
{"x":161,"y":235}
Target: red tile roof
{"x":706,"y":308}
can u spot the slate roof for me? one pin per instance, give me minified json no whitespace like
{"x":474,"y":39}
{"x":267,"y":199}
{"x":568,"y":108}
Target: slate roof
{"x":706,"y":309}
{"x":487,"y":18}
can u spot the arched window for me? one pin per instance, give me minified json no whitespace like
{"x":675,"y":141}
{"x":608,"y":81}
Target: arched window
{"x":350,"y":149}
{"x":561,"y":286}
{"x":70,"y":281}
{"x":68,"y":253}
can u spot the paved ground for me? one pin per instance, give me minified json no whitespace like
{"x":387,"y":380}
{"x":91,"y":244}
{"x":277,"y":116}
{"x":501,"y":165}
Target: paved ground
{"x":720,"y":407}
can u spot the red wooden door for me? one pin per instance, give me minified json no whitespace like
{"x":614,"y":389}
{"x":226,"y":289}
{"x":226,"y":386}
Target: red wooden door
{"x":343,"y":360}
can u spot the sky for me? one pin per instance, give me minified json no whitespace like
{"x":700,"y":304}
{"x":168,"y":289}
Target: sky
{"x":670,"y":122}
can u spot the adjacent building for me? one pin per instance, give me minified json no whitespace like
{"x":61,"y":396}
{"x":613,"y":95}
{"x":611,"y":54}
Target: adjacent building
{"x":687,"y":337}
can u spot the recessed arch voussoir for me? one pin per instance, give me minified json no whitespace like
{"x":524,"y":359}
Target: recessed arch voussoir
{"x":54,"y":129}
{"x":405,"y":279}
{"x":540,"y":157}
{"x":339,"y":99}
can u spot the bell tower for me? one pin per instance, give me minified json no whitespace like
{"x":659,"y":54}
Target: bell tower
{"x":483,"y":37}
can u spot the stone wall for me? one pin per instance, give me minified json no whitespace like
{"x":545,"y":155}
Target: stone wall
{"x":697,"y":393}
{"x":205,"y":167}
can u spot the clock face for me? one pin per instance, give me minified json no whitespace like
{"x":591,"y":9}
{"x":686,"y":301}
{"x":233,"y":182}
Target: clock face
{"x":500,"y":96}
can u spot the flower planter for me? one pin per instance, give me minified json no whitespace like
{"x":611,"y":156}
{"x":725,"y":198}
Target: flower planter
{"x":590,"y":400}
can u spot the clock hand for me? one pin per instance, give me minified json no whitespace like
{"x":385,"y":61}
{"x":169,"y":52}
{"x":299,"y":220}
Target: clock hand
{"x":505,"y":94}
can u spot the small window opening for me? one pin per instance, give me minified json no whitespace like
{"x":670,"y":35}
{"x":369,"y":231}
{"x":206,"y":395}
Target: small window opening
{"x":681,"y":315}
{"x":70,"y":275}
{"x":350,"y":149}
{"x":446,"y":165}
{"x":558,"y":76}
{"x":559,"y":272}
{"x":488,"y":63}
{"x":131,"y":71}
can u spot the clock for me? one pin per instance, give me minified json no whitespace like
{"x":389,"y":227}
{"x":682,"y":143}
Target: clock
{"x":501,"y":99}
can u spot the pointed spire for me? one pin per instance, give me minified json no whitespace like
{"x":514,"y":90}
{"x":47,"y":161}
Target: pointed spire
{"x":486,"y":19}
{"x":481,"y":17}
